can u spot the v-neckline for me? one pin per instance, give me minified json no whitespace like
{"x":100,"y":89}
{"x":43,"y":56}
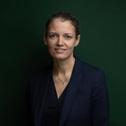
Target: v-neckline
{"x":55,"y":92}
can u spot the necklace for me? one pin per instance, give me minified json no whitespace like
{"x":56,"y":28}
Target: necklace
{"x":62,"y":81}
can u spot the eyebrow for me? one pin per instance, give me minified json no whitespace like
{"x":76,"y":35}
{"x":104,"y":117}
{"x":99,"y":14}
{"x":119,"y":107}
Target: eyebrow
{"x":57,"y":33}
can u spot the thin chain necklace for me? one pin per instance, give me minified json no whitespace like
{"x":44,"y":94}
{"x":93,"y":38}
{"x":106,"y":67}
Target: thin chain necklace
{"x":63,"y":82}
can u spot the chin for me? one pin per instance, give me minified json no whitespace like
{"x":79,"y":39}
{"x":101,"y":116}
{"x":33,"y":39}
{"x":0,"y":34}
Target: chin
{"x":61,"y":58}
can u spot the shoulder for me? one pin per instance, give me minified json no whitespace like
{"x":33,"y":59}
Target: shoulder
{"x":39,"y":78}
{"x":93,"y":77}
{"x":89,"y":70}
{"x":41,"y":74}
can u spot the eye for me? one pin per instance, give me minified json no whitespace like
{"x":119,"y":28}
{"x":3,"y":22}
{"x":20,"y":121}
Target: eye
{"x":52,"y":35}
{"x":68,"y":37}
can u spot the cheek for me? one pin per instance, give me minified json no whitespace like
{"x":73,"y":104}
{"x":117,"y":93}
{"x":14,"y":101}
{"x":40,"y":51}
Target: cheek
{"x":51,"y":48}
{"x":71,"y":44}
{"x":50,"y":44}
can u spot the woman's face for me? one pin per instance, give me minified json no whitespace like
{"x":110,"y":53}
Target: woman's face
{"x":61,"y":39}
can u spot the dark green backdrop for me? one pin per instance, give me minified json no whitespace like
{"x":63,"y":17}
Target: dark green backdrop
{"x":103,"y":43}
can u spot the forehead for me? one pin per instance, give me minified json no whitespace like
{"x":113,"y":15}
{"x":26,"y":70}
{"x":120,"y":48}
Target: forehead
{"x":61,"y":24}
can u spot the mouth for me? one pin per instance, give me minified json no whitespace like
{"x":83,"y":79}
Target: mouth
{"x":59,"y":50}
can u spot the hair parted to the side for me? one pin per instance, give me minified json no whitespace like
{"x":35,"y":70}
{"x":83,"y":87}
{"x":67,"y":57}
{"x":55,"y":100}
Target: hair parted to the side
{"x":65,"y":16}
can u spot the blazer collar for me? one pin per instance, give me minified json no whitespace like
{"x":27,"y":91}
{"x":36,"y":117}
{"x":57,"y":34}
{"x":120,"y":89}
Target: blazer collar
{"x":71,"y":92}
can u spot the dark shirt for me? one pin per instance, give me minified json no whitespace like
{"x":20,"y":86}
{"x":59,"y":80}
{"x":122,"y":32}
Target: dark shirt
{"x":53,"y":106}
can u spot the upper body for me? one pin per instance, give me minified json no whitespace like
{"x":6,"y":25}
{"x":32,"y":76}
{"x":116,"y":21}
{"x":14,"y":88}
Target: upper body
{"x":85,"y":103}
{"x":85,"y":100}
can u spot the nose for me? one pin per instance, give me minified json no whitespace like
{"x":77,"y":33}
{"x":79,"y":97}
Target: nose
{"x":60,"y":41}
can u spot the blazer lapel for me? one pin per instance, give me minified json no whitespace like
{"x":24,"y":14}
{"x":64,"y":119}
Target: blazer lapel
{"x":71,"y":92}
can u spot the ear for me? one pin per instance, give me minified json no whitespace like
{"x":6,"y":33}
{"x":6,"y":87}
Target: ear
{"x":45,"y":41}
{"x":77,"y":40}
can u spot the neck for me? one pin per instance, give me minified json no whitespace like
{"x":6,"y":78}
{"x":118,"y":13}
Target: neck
{"x":63,"y":67}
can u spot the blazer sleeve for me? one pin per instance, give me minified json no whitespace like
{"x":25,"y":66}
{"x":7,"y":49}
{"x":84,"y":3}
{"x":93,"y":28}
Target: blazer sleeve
{"x":27,"y":106}
{"x":99,"y":101}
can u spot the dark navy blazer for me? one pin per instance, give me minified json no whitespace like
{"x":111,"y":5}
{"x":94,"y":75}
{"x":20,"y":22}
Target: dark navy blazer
{"x":86,"y":102}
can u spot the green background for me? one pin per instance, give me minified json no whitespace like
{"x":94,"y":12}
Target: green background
{"x":103,"y":44}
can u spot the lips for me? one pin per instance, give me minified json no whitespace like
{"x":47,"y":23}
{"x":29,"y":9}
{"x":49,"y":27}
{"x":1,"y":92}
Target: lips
{"x":59,"y":50}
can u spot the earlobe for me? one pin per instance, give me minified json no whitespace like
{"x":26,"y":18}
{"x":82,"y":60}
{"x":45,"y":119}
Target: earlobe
{"x":45,"y":42}
{"x":77,"y":41}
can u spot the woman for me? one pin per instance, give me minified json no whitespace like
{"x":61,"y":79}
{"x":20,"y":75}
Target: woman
{"x":69,"y":92}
